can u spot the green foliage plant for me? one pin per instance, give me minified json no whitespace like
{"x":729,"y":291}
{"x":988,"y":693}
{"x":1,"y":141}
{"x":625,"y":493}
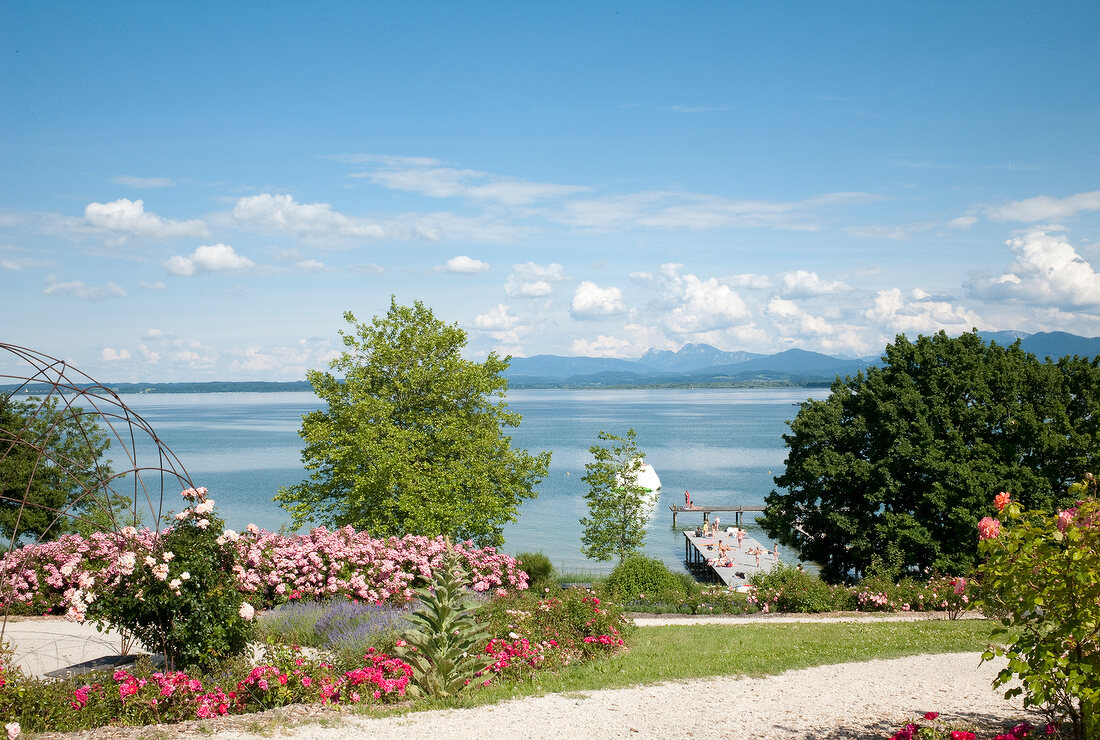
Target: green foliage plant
{"x":568,"y":622}
{"x":445,"y":645}
{"x":617,"y":515}
{"x":899,"y":458}
{"x":182,"y":598}
{"x":540,"y":570}
{"x":52,"y":457}
{"x":638,"y":574}
{"x":411,"y":439}
{"x":1040,"y":579}
{"x":787,"y":589}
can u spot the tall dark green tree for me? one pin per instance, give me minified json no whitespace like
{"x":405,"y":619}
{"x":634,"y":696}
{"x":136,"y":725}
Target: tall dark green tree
{"x":54,"y":476}
{"x":899,"y":463}
{"x":412,"y":439}
{"x":617,"y":505}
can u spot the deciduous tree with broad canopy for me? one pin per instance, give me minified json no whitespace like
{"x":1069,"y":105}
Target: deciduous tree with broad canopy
{"x":899,"y":463}
{"x":616,"y":519}
{"x":54,"y":477}
{"x":412,"y":440}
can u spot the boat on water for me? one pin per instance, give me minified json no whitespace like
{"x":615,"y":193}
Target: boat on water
{"x":648,"y":480}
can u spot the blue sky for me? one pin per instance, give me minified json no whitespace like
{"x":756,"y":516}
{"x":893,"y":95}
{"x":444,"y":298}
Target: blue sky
{"x":198,"y":191}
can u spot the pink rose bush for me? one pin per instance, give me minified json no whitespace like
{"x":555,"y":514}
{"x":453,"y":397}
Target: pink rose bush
{"x":989,"y":528}
{"x":930,"y":727}
{"x":1039,"y":579}
{"x":269,"y":568}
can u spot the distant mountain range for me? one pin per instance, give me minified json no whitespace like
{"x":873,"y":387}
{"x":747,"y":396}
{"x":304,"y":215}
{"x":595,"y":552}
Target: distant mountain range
{"x":699,"y":365}
{"x":693,"y":365}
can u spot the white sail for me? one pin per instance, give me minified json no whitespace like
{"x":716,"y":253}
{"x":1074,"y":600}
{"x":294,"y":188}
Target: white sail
{"x":648,"y":480}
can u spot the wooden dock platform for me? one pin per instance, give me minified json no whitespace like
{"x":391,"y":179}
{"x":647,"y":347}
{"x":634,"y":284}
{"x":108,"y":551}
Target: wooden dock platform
{"x":706,"y":511}
{"x":701,"y":554}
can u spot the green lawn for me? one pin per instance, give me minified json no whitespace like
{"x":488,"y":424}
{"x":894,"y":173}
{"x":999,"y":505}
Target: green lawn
{"x":684,"y":652}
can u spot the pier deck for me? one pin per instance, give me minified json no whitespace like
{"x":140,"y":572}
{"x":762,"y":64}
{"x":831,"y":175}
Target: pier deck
{"x":699,"y":551}
{"x":706,"y":511}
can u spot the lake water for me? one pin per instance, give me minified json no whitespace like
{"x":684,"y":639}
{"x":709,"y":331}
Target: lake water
{"x":723,"y":445}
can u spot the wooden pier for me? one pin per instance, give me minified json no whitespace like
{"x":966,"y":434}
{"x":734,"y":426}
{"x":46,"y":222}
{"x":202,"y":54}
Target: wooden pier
{"x":738,"y":511}
{"x":702,"y":553}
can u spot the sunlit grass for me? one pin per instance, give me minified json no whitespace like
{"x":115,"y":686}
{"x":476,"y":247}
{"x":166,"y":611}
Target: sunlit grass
{"x":701,"y":651}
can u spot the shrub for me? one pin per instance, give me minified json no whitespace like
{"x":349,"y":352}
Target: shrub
{"x":787,"y":589}
{"x":540,"y":571}
{"x":571,"y":625}
{"x":1039,"y":578}
{"x":181,"y":598}
{"x":638,"y":574}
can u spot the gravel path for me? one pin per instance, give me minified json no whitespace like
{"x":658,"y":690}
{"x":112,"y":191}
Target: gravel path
{"x":853,"y":700}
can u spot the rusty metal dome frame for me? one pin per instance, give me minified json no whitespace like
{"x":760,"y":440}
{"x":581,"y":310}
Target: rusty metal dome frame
{"x":58,"y":388}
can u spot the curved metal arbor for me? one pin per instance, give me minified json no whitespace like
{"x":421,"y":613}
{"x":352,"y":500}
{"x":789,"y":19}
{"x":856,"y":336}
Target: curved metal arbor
{"x":54,"y":399}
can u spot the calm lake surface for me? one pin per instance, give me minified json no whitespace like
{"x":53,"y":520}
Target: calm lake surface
{"x":722,"y":445}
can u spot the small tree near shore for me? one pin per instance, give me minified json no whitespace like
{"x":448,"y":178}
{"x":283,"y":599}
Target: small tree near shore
{"x":412,"y":438}
{"x":616,"y":519}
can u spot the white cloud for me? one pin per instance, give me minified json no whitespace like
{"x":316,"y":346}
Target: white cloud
{"x":1043,"y":207}
{"x":158,"y":285}
{"x":604,"y":346}
{"x":310,"y":265}
{"x":792,"y":320}
{"x":429,"y":177}
{"x":210,"y":258}
{"x":802,"y":284}
{"x":749,"y":280}
{"x":1047,"y":270}
{"x":464,"y":264}
{"x":20,"y":263}
{"x":531,"y":280}
{"x":150,"y":355}
{"x":498,"y":319}
{"x":962,"y":222}
{"x":590,"y":301}
{"x":699,"y":305}
{"x":281,"y":213}
{"x":130,"y":217}
{"x":80,"y":289}
{"x":109,"y":354}
{"x":695,"y":211}
{"x":901,"y":232}
{"x":919,"y":312}
{"x":131,"y":181}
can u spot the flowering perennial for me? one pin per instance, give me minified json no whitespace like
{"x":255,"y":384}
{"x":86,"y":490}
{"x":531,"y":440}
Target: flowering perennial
{"x":63,"y":576}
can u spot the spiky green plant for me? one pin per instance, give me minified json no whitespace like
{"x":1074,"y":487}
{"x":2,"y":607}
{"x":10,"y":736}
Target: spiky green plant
{"x":445,"y":645}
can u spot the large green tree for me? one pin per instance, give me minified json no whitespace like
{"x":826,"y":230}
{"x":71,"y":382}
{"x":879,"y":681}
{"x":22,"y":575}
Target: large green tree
{"x":412,"y":439}
{"x":899,"y":463}
{"x":54,"y":477}
{"x":617,"y":505}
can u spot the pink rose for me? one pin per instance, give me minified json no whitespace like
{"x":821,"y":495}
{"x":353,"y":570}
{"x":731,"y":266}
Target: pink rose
{"x":988,"y":528}
{"x":1001,"y":500}
{"x":1065,"y":518}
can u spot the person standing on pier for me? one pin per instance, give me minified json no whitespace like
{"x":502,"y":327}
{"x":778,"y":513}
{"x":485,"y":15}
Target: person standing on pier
{"x":740,"y":537}
{"x":687,"y":500}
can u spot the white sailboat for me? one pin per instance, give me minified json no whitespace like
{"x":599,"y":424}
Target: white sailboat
{"x":648,"y":480}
